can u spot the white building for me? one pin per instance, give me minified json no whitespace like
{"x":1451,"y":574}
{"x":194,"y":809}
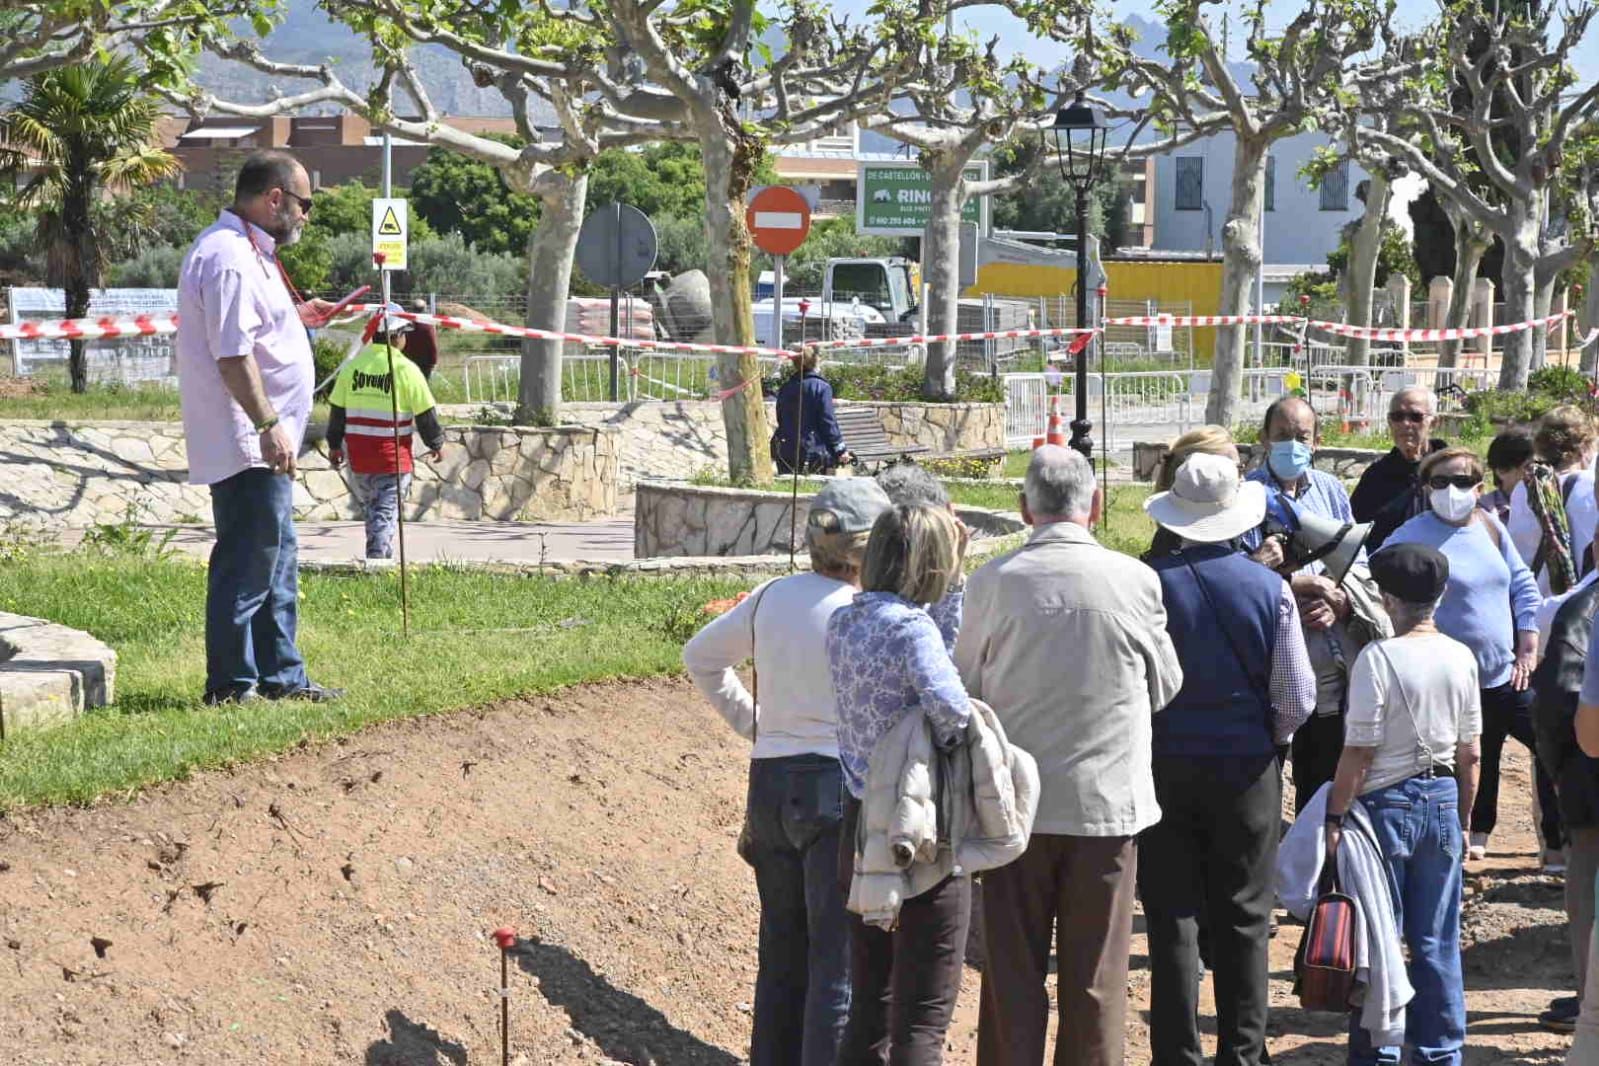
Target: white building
{"x":1193,"y":189}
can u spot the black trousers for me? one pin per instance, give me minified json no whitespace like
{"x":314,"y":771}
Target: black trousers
{"x":903,"y":983}
{"x":1508,"y":713}
{"x":1314,"y":755}
{"x":1211,"y":855}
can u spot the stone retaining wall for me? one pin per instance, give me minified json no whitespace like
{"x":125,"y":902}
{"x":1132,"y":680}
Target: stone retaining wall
{"x":672,"y":519}
{"x":678,"y":439}
{"x":50,"y":674}
{"x":73,"y":475}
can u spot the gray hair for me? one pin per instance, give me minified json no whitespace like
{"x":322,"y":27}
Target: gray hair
{"x":909,"y":485}
{"x":1059,"y":483}
{"x":1406,"y":615}
{"x":1420,"y":393}
{"x":835,"y":554}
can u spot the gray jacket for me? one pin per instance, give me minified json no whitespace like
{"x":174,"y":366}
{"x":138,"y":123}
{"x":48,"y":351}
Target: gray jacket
{"x":1067,"y":641}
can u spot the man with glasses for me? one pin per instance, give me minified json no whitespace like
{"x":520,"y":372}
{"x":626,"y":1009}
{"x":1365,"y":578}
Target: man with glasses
{"x":1338,"y":619}
{"x":245,"y":376}
{"x":1389,"y":492}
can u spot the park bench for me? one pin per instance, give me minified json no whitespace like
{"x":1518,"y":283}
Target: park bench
{"x":866,"y":440}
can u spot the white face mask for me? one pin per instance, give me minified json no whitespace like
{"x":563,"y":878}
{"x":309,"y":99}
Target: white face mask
{"x":1453,"y":504}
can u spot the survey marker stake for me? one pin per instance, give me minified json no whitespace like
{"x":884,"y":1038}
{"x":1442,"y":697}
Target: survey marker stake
{"x":505,"y":937}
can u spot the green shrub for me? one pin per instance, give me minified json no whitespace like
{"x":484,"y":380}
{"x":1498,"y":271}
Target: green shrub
{"x":894,"y":384}
{"x":1565,"y":383}
{"x":154,"y":267}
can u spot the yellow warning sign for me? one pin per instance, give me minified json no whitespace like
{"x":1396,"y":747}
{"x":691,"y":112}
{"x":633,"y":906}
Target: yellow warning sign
{"x":390,"y":226}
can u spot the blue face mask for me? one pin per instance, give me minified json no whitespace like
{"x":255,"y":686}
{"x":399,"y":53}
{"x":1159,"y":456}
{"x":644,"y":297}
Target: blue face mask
{"x":1289,"y":459}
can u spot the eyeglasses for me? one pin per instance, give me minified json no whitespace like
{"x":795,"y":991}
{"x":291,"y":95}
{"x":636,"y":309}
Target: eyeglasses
{"x":1459,"y":481}
{"x":1413,"y":417}
{"x":305,"y":202}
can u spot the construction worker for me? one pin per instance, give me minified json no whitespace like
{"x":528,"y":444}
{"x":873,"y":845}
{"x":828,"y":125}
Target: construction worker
{"x":365,"y":408}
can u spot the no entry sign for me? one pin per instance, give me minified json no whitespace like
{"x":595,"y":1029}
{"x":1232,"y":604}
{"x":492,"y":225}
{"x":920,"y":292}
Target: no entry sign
{"x":779,"y":220}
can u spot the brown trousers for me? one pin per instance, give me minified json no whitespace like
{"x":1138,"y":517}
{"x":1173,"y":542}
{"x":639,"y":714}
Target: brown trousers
{"x":1077,"y":892}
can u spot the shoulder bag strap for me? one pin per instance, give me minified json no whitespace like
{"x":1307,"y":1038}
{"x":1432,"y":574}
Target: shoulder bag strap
{"x":1410,"y":709}
{"x":1243,"y":660}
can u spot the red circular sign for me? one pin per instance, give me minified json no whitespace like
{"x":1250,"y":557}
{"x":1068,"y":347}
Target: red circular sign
{"x":779,"y":220}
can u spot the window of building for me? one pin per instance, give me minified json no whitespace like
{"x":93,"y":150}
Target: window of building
{"x":1271,"y":183}
{"x":1190,"y":182}
{"x":1335,"y":188}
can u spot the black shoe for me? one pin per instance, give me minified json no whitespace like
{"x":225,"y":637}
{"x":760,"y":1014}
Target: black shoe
{"x":247,"y":694}
{"x":1561,"y":1017}
{"x":311,"y":692}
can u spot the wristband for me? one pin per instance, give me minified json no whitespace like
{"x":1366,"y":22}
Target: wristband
{"x":263,"y":426}
{"x":1336,"y":819}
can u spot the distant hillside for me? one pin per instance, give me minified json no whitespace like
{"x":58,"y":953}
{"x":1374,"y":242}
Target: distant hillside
{"x":307,"y":36}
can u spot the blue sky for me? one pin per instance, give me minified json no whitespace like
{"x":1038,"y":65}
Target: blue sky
{"x":1410,"y":14}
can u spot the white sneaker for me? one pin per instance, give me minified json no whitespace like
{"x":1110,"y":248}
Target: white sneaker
{"x":1479,"y":847}
{"x":380,"y":564}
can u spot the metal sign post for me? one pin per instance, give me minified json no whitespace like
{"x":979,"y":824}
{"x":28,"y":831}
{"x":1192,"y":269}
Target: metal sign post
{"x":390,"y":226}
{"x":615,"y":248}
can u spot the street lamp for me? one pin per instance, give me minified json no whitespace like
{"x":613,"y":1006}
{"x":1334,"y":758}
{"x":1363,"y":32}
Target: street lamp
{"x":1080,"y":134}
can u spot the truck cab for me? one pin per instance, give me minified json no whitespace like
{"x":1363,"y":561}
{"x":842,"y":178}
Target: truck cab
{"x":890,"y":285}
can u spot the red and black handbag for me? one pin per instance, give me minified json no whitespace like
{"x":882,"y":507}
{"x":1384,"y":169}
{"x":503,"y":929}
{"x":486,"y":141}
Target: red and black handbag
{"x":1324,"y":966}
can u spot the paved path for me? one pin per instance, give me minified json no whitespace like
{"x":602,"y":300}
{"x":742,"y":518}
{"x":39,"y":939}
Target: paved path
{"x":609,"y":539}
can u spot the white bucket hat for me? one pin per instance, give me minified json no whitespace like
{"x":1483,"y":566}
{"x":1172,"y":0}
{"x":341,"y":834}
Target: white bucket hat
{"x":1207,"y":503}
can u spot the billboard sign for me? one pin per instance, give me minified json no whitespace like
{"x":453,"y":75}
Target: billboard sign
{"x":895,"y":199}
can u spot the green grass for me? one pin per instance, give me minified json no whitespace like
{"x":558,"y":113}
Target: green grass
{"x":552,"y":634}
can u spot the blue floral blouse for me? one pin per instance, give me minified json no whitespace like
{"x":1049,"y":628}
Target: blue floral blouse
{"x":889,"y":657}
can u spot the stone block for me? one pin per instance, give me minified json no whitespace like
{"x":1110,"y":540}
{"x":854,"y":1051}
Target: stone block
{"x":324,"y":485}
{"x":49,"y":674}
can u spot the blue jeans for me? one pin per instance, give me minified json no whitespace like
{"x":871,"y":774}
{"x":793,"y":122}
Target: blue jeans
{"x":381,"y":502}
{"x":252,"y":589}
{"x":1418,"y":827}
{"x":802,"y":987}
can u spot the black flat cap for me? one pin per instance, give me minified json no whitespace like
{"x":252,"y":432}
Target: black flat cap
{"x":1413,"y":573}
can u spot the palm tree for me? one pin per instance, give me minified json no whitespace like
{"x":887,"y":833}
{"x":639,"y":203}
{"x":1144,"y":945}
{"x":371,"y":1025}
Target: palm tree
{"x":79,"y":133}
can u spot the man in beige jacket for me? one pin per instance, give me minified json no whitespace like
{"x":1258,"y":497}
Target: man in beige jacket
{"x":1067,"y":641}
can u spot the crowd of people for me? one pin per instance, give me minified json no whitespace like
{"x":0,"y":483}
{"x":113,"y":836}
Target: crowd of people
{"x":1080,"y":731}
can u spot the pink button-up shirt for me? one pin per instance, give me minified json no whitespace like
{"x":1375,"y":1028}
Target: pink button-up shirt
{"x":233,"y":301}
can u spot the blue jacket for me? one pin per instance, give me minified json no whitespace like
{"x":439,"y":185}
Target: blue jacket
{"x":808,"y":402}
{"x":1224,"y":633}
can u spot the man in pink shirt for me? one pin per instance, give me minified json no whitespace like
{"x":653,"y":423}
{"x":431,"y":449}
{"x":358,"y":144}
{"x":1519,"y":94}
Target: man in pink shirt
{"x":245,"y":376}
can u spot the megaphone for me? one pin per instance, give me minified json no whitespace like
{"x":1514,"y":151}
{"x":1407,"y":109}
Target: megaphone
{"x":1333,"y":543}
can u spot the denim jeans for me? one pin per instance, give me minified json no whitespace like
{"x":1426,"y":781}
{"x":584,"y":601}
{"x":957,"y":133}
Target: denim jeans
{"x":802,"y":989}
{"x":382,"y":505}
{"x":252,"y":588}
{"x":1418,"y":827}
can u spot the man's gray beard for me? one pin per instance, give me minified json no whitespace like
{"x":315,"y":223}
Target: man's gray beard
{"x":283,"y":233}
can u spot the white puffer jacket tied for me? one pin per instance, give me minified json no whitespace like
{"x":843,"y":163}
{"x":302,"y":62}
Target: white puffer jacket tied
{"x":929,"y":813}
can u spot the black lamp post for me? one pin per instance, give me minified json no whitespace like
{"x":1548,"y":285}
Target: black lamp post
{"x":1080,"y":134}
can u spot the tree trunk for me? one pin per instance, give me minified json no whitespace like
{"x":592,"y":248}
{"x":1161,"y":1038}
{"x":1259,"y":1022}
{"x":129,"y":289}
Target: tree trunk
{"x":1363,"y":263}
{"x":549,"y":282}
{"x":730,"y":160}
{"x":1469,"y":250}
{"x":1521,"y":257}
{"x":1543,"y":298}
{"x":1241,"y":259}
{"x":941,"y":263}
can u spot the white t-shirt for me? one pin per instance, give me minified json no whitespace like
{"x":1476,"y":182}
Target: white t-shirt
{"x":1582,"y":514}
{"x":798,"y":715}
{"x":1438,"y":674}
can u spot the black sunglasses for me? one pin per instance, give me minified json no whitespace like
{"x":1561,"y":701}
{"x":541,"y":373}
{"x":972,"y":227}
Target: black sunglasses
{"x":305,"y":202}
{"x":1406,"y":416}
{"x":1459,"y":481}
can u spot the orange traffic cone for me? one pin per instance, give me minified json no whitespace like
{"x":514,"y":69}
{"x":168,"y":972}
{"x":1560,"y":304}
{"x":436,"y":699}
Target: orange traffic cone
{"x":1052,"y":433}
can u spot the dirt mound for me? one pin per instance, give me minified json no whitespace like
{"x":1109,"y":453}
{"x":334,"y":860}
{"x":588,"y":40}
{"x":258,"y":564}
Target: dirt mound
{"x":333,"y":905}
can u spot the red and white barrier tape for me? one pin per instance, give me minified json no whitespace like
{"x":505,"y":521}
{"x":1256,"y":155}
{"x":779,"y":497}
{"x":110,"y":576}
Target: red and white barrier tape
{"x":109,"y":328}
{"x":89,"y":329}
{"x":1205,"y":320}
{"x":936,"y":338}
{"x":1369,"y":333}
